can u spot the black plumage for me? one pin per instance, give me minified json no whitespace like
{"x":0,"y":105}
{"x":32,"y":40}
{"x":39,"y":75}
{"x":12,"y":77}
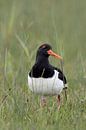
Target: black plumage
{"x":42,"y":67}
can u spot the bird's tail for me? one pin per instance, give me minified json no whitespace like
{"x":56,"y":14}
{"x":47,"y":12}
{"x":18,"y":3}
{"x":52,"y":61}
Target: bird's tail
{"x":65,"y":86}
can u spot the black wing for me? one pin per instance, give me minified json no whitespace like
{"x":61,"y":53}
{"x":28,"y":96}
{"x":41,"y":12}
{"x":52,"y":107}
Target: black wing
{"x":61,"y":76}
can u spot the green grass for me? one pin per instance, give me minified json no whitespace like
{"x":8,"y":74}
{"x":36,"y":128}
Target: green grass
{"x":23,"y":26}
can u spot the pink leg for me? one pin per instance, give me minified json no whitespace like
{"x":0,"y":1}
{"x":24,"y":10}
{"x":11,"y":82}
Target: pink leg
{"x":43,"y":102}
{"x":58,"y":100}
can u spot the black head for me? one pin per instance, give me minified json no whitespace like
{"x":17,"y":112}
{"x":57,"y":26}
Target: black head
{"x":45,"y":50}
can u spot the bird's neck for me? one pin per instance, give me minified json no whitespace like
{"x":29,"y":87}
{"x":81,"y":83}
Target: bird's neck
{"x":42,"y":60}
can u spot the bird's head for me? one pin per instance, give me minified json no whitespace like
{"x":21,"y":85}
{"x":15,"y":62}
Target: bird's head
{"x":45,"y":50}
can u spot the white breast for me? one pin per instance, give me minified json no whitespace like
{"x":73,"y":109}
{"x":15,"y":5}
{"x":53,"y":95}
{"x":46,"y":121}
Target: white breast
{"x":46,"y":86}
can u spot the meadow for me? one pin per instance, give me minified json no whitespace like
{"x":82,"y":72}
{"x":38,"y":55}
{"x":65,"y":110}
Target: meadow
{"x":24,"y":24}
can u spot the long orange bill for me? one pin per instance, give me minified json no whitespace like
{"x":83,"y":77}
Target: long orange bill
{"x":50,"y":52}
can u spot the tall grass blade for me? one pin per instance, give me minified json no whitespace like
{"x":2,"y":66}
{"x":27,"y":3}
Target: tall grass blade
{"x":22,"y":45}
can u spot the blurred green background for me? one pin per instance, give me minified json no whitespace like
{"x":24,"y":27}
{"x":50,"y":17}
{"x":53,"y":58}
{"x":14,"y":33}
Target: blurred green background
{"x":24,"y":24}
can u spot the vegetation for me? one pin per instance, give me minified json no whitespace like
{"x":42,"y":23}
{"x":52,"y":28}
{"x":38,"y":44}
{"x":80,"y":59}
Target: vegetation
{"x":24,"y":24}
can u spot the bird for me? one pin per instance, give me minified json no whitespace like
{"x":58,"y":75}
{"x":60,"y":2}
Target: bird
{"x":45,"y":79}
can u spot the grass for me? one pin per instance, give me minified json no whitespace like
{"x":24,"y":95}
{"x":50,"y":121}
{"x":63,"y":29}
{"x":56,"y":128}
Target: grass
{"x":23,"y":25}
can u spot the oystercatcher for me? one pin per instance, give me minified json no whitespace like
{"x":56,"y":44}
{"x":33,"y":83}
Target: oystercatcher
{"x":45,"y":79}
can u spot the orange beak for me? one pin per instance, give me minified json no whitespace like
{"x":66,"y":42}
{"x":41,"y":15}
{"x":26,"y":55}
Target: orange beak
{"x":50,"y":52}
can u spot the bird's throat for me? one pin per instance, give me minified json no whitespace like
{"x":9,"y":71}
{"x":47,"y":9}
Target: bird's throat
{"x":42,"y":60}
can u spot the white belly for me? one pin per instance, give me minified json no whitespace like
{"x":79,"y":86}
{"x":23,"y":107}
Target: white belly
{"x":46,"y":86}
